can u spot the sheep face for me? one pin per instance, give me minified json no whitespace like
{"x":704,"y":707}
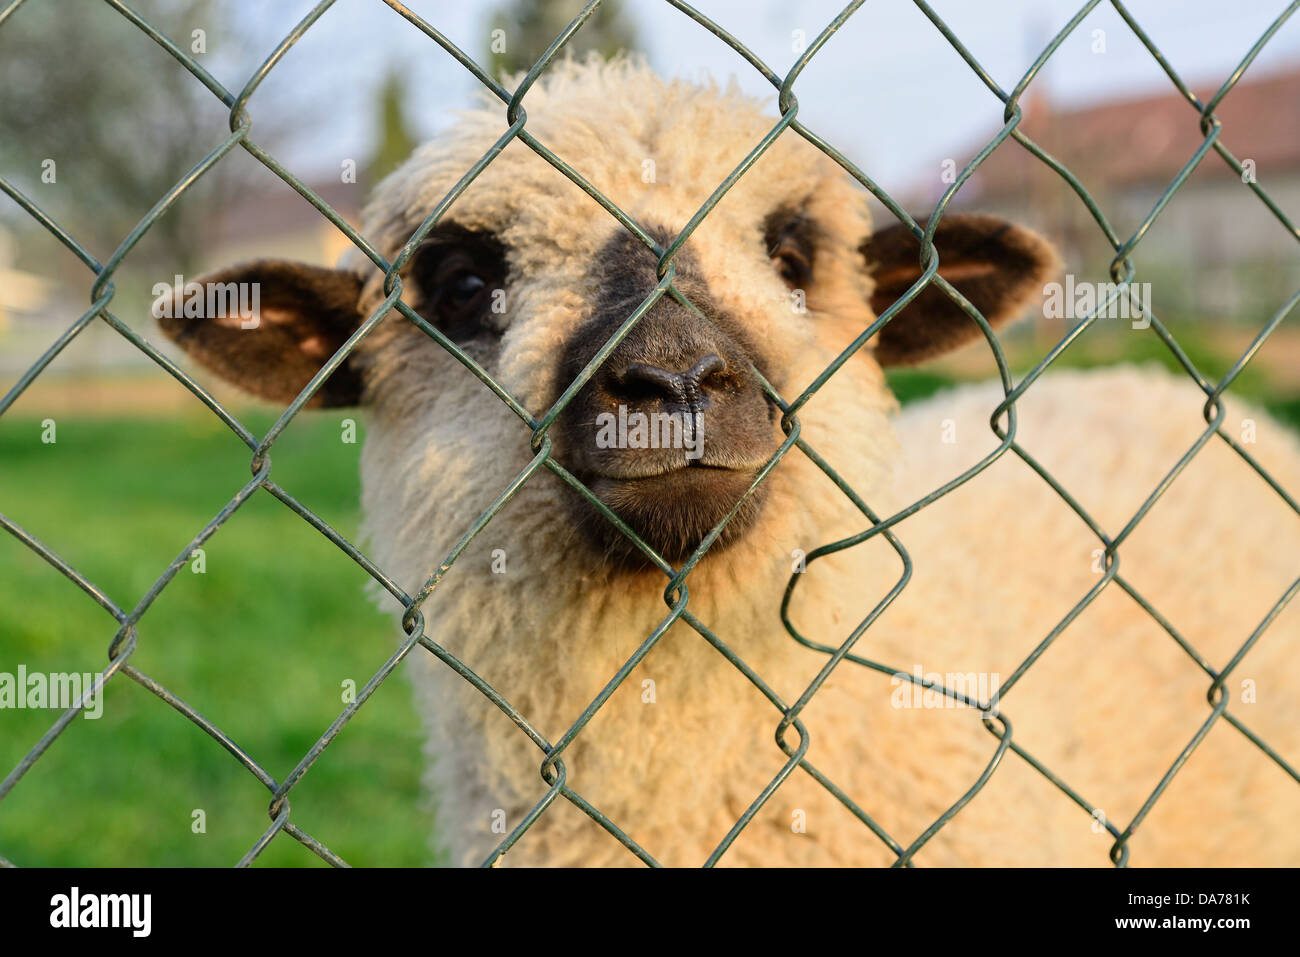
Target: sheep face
{"x":532,"y":278}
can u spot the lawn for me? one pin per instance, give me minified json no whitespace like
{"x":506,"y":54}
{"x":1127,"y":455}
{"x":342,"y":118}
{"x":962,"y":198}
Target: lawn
{"x":261,"y":642}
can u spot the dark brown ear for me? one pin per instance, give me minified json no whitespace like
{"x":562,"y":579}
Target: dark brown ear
{"x":268,"y":326}
{"x":999,"y":267}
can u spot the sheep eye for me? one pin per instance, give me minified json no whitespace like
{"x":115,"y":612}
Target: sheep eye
{"x":461,"y":291}
{"x":457,"y":272}
{"x":459,"y":284}
{"x":792,"y":266}
{"x":790,"y":238}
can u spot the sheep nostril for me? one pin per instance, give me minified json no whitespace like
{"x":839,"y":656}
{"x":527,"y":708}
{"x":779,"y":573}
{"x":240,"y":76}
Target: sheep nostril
{"x":707,"y":367}
{"x":641,"y":380}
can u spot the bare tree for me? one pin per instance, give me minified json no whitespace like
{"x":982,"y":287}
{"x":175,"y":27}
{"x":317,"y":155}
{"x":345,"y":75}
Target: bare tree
{"x":98,"y":122}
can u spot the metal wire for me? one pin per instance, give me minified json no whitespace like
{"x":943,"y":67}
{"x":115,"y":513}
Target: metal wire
{"x":676,"y":593}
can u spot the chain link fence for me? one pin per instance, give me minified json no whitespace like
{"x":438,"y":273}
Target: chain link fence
{"x":787,"y":715}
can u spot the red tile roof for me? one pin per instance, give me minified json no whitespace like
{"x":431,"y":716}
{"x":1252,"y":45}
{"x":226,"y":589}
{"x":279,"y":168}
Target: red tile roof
{"x":1148,"y":140}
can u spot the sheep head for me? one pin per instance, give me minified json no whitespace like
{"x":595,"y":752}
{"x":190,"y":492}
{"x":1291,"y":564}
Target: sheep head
{"x":531,"y":277}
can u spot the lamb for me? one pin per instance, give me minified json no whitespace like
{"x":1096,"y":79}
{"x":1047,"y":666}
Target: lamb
{"x":530,"y":277}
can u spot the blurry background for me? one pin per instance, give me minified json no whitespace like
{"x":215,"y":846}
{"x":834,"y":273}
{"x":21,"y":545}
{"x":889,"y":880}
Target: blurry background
{"x":264,"y":639}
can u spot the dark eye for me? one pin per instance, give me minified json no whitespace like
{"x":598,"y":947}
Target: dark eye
{"x":461,"y":290}
{"x":458,"y":287}
{"x":792,"y":265}
{"x":460,"y":273}
{"x":791,"y":239}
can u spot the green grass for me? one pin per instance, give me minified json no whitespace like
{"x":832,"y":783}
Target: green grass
{"x":261,"y":643}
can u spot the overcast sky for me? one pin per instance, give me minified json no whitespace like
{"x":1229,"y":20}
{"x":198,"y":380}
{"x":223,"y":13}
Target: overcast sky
{"x":888,"y":89}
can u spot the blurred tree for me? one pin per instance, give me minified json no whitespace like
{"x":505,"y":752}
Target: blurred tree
{"x":97,"y":122}
{"x":395,"y":140}
{"x":527,"y":27}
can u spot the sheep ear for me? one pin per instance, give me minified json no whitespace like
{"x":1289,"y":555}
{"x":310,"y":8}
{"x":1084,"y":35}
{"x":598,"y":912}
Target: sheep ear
{"x":268,"y":327}
{"x":999,"y":267}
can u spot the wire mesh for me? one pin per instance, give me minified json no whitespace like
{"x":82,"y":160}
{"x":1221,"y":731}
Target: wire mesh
{"x":676,"y":592}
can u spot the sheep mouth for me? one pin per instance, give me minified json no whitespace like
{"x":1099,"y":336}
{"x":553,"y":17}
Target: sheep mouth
{"x":644,"y":468}
{"x":672,"y":511}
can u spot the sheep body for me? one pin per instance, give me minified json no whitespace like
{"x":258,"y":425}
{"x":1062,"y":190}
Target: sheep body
{"x":997,"y":563}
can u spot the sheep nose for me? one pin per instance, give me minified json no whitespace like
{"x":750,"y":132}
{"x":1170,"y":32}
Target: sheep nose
{"x":689,"y":388}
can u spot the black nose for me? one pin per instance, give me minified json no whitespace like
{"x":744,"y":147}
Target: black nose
{"x":641,"y":380}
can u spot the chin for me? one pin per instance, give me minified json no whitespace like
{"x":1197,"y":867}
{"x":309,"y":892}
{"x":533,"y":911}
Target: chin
{"x":672,"y":513}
